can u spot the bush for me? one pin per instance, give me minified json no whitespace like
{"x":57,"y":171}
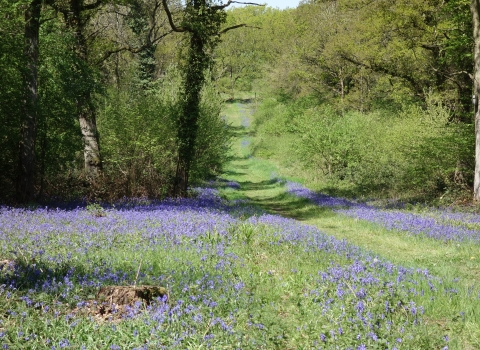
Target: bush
{"x":138,"y":139}
{"x":413,"y":152}
{"x":213,"y":139}
{"x":417,"y":151}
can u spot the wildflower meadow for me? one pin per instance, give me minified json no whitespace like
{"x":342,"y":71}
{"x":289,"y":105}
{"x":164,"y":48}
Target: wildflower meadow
{"x":234,"y":278}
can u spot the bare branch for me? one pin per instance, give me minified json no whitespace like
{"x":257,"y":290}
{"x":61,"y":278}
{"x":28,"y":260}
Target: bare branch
{"x":170,"y":19}
{"x":131,"y":49}
{"x":94,"y":33}
{"x":460,"y":73}
{"x":229,"y":2}
{"x":382,"y":69}
{"x":93,"y":6}
{"x":153,"y":27}
{"x":235,"y":27}
{"x":118,"y":13}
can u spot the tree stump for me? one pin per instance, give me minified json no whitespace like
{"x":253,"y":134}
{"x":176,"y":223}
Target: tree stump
{"x":114,"y":303}
{"x":128,"y":295}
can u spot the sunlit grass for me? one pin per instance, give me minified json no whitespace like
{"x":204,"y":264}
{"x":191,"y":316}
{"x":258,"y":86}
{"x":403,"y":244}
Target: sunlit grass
{"x":451,"y":261}
{"x":261,"y":281}
{"x":237,"y":278}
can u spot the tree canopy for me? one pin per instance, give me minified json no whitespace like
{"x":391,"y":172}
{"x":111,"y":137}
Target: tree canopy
{"x":106,"y":98}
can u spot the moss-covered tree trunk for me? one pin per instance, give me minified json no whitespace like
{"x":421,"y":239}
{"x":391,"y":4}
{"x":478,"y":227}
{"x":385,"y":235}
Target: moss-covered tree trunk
{"x":190,"y":111}
{"x":202,"y":21}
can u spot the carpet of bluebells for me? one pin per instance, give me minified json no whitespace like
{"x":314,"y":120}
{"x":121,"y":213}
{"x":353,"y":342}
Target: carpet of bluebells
{"x":438,"y":224}
{"x":237,"y":279}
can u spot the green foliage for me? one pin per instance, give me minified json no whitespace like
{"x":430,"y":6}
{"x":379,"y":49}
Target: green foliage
{"x":138,"y":135}
{"x":241,"y":53}
{"x":11,"y":93}
{"x":213,"y":137}
{"x":411,"y":153}
{"x":371,"y":63}
{"x":58,"y":134}
{"x":138,"y":139}
{"x":418,"y":152}
{"x":371,"y":71}
{"x":96,"y":210}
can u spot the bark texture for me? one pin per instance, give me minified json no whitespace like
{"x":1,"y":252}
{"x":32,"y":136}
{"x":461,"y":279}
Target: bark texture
{"x":91,"y":147}
{"x":475,"y":9}
{"x":26,"y":175}
{"x":76,"y":20}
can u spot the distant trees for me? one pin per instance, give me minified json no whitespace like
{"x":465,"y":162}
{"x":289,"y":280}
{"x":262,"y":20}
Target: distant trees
{"x":240,"y":56}
{"x":65,"y":66}
{"x":392,"y":58}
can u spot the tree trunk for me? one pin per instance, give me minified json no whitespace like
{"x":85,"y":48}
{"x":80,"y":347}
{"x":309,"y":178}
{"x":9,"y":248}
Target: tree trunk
{"x":190,"y":112}
{"x":84,"y":104}
{"x":475,"y":9}
{"x":203,"y":22}
{"x":91,"y":147}
{"x":26,"y":176}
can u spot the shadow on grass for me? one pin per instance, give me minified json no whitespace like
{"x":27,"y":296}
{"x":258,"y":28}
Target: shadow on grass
{"x":239,"y":131}
{"x":282,"y":204}
{"x":380,"y":195}
{"x":239,"y":166}
{"x":258,"y":186}
{"x":29,"y":274}
{"x":239,"y":100}
{"x":233,"y":172}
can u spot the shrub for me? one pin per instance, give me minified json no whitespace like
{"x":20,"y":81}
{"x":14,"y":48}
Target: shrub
{"x":416,"y":151}
{"x":138,"y":138}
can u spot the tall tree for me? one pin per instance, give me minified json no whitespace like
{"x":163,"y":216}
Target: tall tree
{"x":144,"y":23}
{"x":475,"y":9}
{"x":202,"y":22}
{"x":26,"y":174}
{"x":77,"y":14}
{"x":76,"y":20}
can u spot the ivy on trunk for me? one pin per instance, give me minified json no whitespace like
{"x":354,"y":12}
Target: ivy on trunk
{"x":202,"y":21}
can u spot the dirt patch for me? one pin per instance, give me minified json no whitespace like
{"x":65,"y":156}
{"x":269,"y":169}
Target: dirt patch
{"x":114,"y":303}
{"x":128,"y":295}
{"x":7,"y":265}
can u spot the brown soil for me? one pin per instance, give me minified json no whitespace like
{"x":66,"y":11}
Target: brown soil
{"x":112,"y":303}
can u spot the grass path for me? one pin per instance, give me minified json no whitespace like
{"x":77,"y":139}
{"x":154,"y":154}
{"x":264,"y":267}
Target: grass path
{"x":450,"y":261}
{"x":259,"y":185}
